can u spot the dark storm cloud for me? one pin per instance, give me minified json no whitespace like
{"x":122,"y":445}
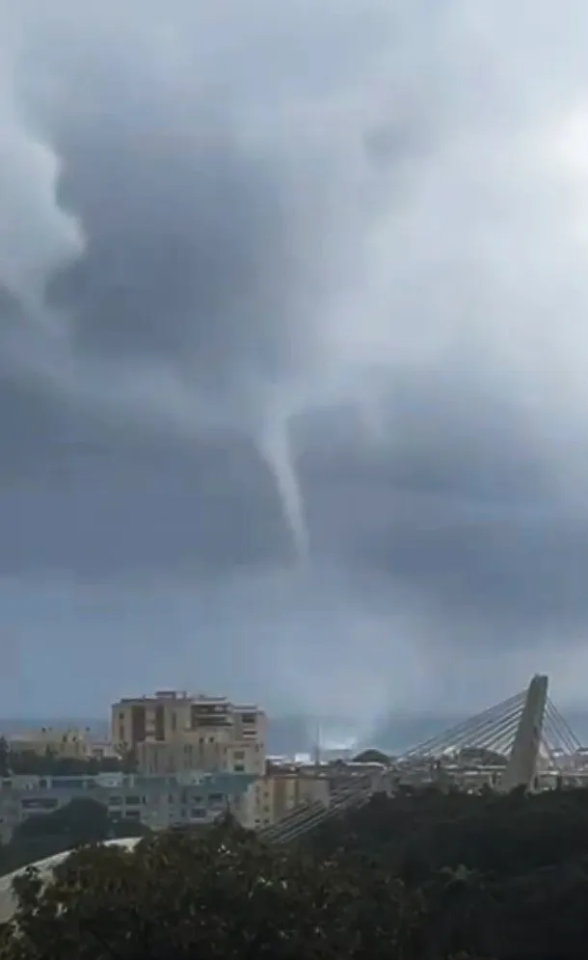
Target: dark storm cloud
{"x":193,"y":256}
{"x":287,"y":212}
{"x":187,"y":255}
{"x":105,"y":508}
{"x":456,"y":508}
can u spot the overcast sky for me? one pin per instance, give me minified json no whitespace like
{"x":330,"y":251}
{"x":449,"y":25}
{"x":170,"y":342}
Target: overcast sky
{"x":293,"y":352}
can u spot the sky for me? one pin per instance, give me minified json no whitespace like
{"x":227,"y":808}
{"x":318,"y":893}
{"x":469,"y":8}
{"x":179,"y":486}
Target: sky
{"x":293,"y":342}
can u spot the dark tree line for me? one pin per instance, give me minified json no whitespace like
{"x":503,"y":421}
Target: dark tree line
{"x":503,"y":877}
{"x":421,"y":876}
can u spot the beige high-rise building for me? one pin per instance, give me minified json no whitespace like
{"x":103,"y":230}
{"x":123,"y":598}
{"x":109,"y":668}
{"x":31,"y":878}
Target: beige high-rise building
{"x":173,"y":731}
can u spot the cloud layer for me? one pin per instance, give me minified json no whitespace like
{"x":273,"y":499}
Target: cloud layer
{"x":265,"y":267}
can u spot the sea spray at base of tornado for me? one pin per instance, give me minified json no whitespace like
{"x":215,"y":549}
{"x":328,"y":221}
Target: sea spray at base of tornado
{"x":276,"y":449}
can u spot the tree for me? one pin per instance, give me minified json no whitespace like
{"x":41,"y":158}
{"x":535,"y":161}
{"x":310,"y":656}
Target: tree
{"x":215,"y":896}
{"x":4,"y":757}
{"x":371,"y":755}
{"x":82,"y":821}
{"x":424,"y":875}
{"x":49,"y":765}
{"x":128,"y":760}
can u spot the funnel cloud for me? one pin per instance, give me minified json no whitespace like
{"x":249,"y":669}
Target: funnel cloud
{"x":277,"y":447}
{"x":293,"y":400}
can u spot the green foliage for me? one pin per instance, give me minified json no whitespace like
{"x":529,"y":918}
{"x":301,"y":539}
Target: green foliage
{"x":4,"y":757}
{"x":425,"y":875}
{"x":80,"y":822}
{"x":31,"y":763}
{"x":220,"y":895}
{"x":503,"y":877}
{"x":372,"y":756}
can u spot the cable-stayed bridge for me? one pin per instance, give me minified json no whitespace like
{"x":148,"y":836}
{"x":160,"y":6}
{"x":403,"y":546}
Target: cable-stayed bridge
{"x":517,"y":743}
{"x":512,"y":744}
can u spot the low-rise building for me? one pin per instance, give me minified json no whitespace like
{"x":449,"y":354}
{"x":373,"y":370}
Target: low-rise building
{"x":157,"y":801}
{"x":69,"y":744}
{"x":193,"y":756}
{"x":279,"y":792}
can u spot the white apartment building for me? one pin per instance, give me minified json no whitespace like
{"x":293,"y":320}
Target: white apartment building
{"x":156,"y":801}
{"x":172,"y":731}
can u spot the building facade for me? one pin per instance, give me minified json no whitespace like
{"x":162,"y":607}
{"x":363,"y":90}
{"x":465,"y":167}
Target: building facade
{"x":278,"y":793}
{"x":172,"y":732}
{"x":70,"y":744}
{"x":156,"y":801}
{"x":194,"y":757}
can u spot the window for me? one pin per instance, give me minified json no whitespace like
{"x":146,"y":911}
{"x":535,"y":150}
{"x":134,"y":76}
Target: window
{"x":159,"y":724}
{"x":115,"y":801}
{"x":239,"y":768}
{"x":133,"y":815}
{"x":239,"y":754}
{"x":68,"y":783}
{"x":39,"y":803}
{"x":139,"y":724}
{"x":133,"y":801}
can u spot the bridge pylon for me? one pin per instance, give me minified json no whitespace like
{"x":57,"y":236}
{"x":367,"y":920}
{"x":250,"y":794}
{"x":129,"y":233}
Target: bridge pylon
{"x":521,"y":769}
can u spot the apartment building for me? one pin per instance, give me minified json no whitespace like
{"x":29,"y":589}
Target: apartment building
{"x":173,"y":731}
{"x":156,"y":801}
{"x":273,"y":796}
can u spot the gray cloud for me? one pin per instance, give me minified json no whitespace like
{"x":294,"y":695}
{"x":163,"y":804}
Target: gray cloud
{"x":186,"y":260}
{"x":359,"y":229}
